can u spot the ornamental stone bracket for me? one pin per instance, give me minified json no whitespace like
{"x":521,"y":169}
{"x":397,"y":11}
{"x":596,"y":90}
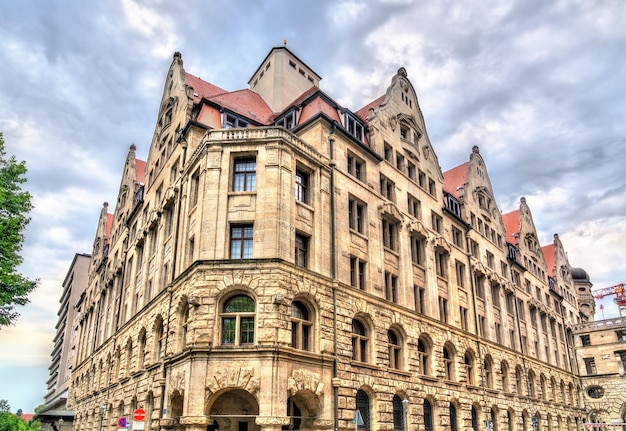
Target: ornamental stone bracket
{"x":272,"y":420}
{"x":235,"y":378}
{"x":303,"y":380}
{"x":194,"y":420}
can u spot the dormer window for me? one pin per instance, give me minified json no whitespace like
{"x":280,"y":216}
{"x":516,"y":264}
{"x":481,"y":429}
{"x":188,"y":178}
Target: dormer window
{"x":354,"y":127}
{"x":288,"y":121}
{"x":404,"y":132}
{"x":232,"y":121}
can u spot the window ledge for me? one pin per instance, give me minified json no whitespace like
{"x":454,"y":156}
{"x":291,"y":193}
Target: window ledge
{"x":429,"y":378}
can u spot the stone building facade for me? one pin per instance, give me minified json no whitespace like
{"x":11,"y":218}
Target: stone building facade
{"x":601,"y":357}
{"x":281,"y":262}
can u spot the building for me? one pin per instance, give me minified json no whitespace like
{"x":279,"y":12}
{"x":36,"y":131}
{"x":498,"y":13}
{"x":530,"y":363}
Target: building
{"x":64,"y":350}
{"x":601,"y":358}
{"x":281,"y":262}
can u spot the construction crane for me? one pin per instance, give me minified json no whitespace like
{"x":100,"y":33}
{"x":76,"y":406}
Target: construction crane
{"x":620,"y":296}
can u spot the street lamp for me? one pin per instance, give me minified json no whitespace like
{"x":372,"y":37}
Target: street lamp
{"x":405,"y":410}
{"x":102,"y":410}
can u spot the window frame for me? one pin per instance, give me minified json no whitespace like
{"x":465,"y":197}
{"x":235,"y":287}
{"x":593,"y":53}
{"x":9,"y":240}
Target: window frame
{"x":246,"y":243}
{"x":244,"y":177}
{"x":241,"y":334}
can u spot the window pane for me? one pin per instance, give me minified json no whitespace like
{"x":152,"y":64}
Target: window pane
{"x":247,"y":330}
{"x":239,"y":303}
{"x":228,"y":330}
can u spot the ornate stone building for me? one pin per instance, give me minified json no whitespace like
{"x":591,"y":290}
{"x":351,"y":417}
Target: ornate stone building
{"x":281,"y":262}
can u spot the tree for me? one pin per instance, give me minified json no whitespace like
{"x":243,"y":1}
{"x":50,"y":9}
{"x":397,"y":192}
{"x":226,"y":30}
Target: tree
{"x":15,"y":204}
{"x":5,"y":407}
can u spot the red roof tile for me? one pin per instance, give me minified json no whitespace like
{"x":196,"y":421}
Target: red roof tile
{"x":319,"y":105}
{"x":247,"y":103}
{"x":202,"y":88}
{"x":364,"y":111}
{"x":511,"y":225}
{"x":548,"y":254}
{"x":455,"y":178}
{"x":140,"y":171}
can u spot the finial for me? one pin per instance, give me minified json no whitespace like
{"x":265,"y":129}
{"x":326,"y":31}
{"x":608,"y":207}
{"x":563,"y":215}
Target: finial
{"x":284,"y":42}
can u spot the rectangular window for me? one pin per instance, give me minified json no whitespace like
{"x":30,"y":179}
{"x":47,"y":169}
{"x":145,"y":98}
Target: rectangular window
{"x":194,"y":189}
{"x":414,"y":206}
{"x":400,"y":162}
{"x":457,"y":237}
{"x":443,"y":309}
{"x":463,"y":318}
{"x":498,"y":329}
{"x":441,"y":263}
{"x":354,"y":127}
{"x":479,"y":283}
{"x":421,"y":179}
{"x":474,"y":249}
{"x":419,"y":294}
{"x":356,"y":167}
{"x":391,"y":287}
{"x":482,"y":326}
{"x":389,"y":234}
{"x":585,"y":340}
{"x":301,"y":250}
{"x":431,"y":187}
{"x":302,"y":186}
{"x":533,"y":317}
{"x":241,"y":238}
{"x":590,"y":366}
{"x":388,"y":152}
{"x":356,"y":215}
{"x":244,"y":179}
{"x":521,"y":310}
{"x":231,"y":121}
{"x":459,"y":269}
{"x":491,"y":260}
{"x":417,"y":249}
{"x":387,"y":188}
{"x":357,"y":273}
{"x":495,"y":295}
{"x":621,"y":335}
{"x":437,"y":222}
{"x":411,"y":170}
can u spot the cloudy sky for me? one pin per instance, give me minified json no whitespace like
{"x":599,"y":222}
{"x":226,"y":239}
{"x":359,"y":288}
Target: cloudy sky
{"x":539,"y":86}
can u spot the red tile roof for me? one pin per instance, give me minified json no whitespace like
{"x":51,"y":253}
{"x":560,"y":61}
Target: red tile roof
{"x":107,"y":227}
{"x":140,"y":171}
{"x":247,"y":103}
{"x":319,"y":105}
{"x":548,"y":254}
{"x":364,"y":111}
{"x":27,"y":416}
{"x":455,"y":178}
{"x":511,"y":225}
{"x":202,"y":88}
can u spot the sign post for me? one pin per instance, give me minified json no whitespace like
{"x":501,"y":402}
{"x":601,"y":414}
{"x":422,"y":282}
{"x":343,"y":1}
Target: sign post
{"x":122,"y":423}
{"x":139,"y":415}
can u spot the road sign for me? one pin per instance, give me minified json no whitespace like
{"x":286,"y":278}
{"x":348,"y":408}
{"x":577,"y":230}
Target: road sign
{"x":121,"y":422}
{"x":139,"y":415}
{"x":358,"y":419}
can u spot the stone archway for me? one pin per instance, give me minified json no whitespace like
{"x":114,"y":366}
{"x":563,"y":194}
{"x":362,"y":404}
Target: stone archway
{"x":233,"y":410}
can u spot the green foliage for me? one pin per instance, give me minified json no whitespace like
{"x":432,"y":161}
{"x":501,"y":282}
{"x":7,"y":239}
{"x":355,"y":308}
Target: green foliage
{"x":4,"y":406}
{"x":15,"y":204}
{"x":12,"y":422}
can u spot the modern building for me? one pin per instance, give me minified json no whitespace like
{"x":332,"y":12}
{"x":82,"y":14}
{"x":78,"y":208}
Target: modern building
{"x":55,"y":412}
{"x":282,"y":262}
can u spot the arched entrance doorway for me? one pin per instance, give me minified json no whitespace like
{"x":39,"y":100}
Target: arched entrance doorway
{"x":233,"y":410}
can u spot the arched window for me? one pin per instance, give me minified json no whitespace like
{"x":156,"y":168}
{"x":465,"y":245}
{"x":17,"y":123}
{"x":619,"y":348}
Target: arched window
{"x":504,"y":368}
{"x":519,"y":381}
{"x":238,"y":320}
{"x":141,"y":351}
{"x":509,"y":419}
{"x":295,"y":415}
{"x":158,"y":338}
{"x":531,"y":384}
{"x":129,"y":357}
{"x":494,"y":419}
{"x":360,"y":341}
{"x":562,"y":392}
{"x":448,"y":363}
{"x":423,"y":352}
{"x":474,"y":419}
{"x":184,"y":326}
{"x":398,"y":414}
{"x":301,"y":325}
{"x":488,"y":372}
{"x":544,"y":389}
{"x":553,"y":388}
{"x":468,"y":361}
{"x":428,"y":415}
{"x":363,"y":406}
{"x":395,"y":349}
{"x":453,"y":418}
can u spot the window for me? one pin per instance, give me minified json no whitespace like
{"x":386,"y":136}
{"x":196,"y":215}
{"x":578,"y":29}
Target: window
{"x":357,"y":273}
{"x":441,"y":262}
{"x":443,"y":309}
{"x":490,"y":260}
{"x":414,"y":207}
{"x":301,"y":250}
{"x":417,"y":249}
{"x":428,"y":416}
{"x":504,"y":368}
{"x":238,"y":320}
{"x":431,"y":187}
{"x":300,"y":326}
{"x":395,"y":349}
{"x":459,"y":269}
{"x":244,"y":179}
{"x":421,"y":179}
{"x":391,"y":287}
{"x":621,"y":335}
{"x":448,"y":363}
{"x":423,"y":353}
{"x":495,"y":295}
{"x":419,"y":294}
{"x":356,"y":215}
{"x":518,"y":381}
{"x":288,"y":121}
{"x":437,"y":222}
{"x":157,"y":336}
{"x":354,"y":127}
{"x":457,"y":237}
{"x":363,"y":406}
{"x":231,"y":121}
{"x":388,"y":152}
{"x":411,"y":170}
{"x":387,"y":188}
{"x":389,"y":234}
{"x":488,"y":372}
{"x":195,"y":189}
{"x":479,"y":283}
{"x":356,"y":167}
{"x":398,"y":414}
{"x":241,"y":240}
{"x":400,"y":162}
{"x":474,"y":249}
{"x":360,"y":341}
{"x":302,"y":186}
{"x":590,"y":366}
{"x":453,"y":419}
{"x":468,"y":361}
{"x":463,"y":318}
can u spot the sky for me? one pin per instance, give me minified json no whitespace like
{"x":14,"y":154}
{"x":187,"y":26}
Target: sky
{"x":539,"y":86}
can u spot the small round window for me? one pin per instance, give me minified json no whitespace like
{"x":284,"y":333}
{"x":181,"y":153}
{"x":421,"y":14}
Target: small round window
{"x":595,"y":391}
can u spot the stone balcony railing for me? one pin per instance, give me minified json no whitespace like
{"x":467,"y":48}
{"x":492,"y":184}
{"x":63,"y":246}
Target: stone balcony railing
{"x":615,"y":323}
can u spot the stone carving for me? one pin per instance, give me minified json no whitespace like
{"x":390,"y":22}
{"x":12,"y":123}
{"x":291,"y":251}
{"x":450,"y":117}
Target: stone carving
{"x":303,"y":380}
{"x":238,"y":378}
{"x":271,"y":420}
